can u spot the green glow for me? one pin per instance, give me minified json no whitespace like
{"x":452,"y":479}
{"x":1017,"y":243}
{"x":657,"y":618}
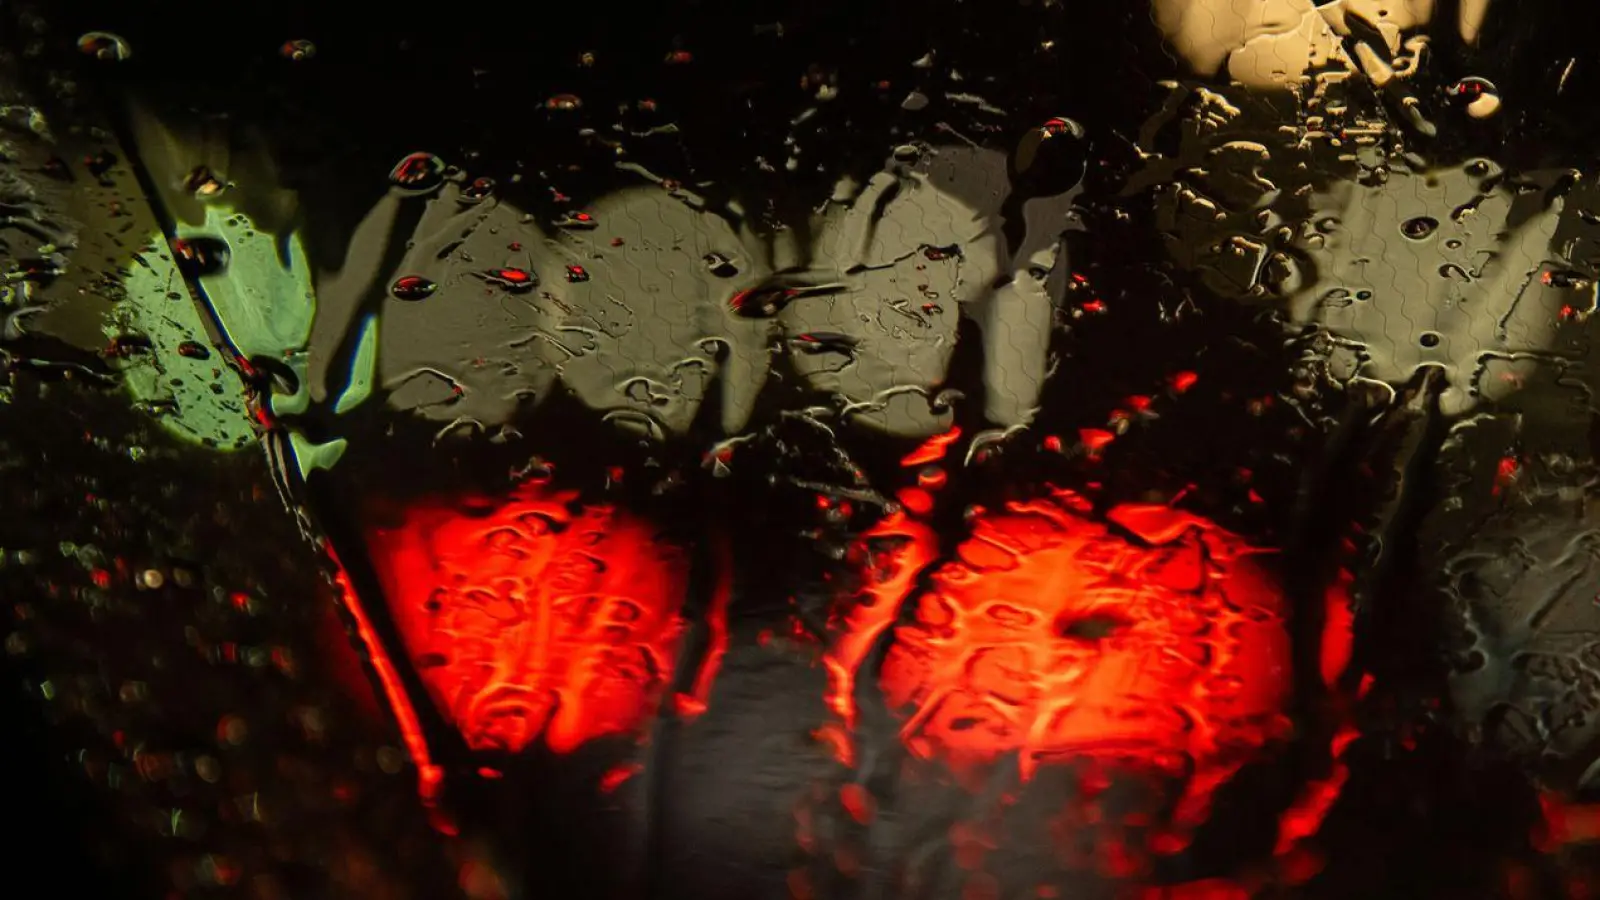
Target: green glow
{"x":362,"y":369}
{"x":195,"y":399}
{"x":264,"y":300}
{"x":265,"y":304}
{"x":309,"y":456}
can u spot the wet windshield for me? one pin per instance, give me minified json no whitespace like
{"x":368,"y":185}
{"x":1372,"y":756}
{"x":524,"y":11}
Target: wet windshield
{"x":803,"y":451}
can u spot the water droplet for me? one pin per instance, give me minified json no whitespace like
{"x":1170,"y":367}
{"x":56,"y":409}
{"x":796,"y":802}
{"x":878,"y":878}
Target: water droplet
{"x":1430,"y":339}
{"x":271,"y":373}
{"x":100,"y":163}
{"x":1060,"y":126}
{"x":418,"y":173}
{"x":412,"y":288}
{"x":1337,"y":297}
{"x":478,"y":190}
{"x":761,"y":302}
{"x":515,"y":280}
{"x":1224,"y":687}
{"x":125,"y":345}
{"x":580,"y":221}
{"x":104,"y":45}
{"x":1052,"y":158}
{"x":203,"y":183}
{"x":815,"y":342}
{"x":1477,"y":96}
{"x":198,"y":257}
{"x":1419,"y":228}
{"x":1090,"y":628}
{"x":720,"y":265}
{"x":1452,"y":244}
{"x":297,"y":50}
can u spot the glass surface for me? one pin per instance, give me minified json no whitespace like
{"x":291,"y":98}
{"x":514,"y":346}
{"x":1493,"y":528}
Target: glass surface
{"x":802,"y":450}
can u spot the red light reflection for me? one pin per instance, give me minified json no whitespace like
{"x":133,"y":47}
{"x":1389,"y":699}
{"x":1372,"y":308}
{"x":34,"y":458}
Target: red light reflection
{"x":1152,"y":640}
{"x":1146,"y":640}
{"x":541,"y":618}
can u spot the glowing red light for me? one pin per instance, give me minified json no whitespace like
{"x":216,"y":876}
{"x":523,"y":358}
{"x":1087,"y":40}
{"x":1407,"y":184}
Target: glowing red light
{"x":933,"y":449}
{"x":1152,"y":641}
{"x":540,"y":619}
